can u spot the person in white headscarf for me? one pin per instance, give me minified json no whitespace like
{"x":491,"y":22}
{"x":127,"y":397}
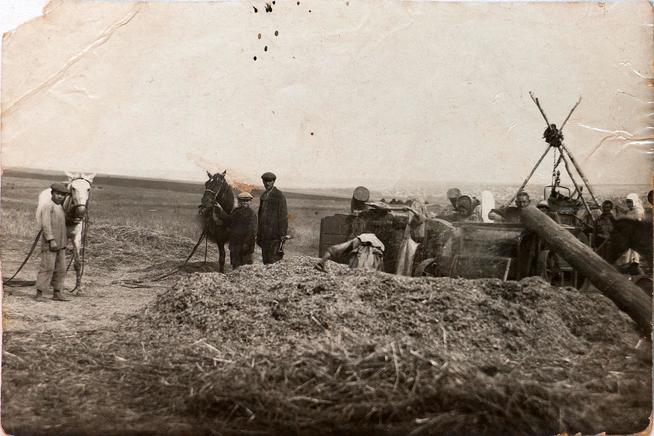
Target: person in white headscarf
{"x":634,"y":211}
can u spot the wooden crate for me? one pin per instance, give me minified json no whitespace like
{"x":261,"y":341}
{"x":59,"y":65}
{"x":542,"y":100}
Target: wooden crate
{"x":388,"y":227}
{"x":334,"y":230}
{"x":489,"y":250}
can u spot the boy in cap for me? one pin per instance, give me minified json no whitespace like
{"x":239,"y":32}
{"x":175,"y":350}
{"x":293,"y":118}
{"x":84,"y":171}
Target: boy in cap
{"x":273,"y":220}
{"x":52,"y":219}
{"x":243,"y":230}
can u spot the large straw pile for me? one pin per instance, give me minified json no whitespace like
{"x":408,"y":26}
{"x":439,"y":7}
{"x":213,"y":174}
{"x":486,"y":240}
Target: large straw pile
{"x":285,"y":349}
{"x":279,"y":304}
{"x":301,"y":349}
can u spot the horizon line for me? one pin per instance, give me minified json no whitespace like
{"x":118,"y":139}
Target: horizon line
{"x":47,"y":171}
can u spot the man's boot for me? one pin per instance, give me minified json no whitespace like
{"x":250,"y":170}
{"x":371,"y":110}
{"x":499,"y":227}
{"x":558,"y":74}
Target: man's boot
{"x":39,"y":296}
{"x":56,"y":296}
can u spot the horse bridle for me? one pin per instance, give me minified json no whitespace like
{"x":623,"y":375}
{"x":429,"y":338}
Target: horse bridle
{"x":215,"y":193}
{"x":85,"y":228}
{"x":74,"y":207}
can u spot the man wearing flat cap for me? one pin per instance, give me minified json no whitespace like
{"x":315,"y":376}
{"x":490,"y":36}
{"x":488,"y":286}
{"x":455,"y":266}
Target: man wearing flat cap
{"x":242,"y":232}
{"x":52,"y":219}
{"x":273,"y":220}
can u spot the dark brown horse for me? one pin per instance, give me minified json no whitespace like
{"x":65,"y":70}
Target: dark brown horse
{"x":629,"y":234}
{"x":217,"y":203}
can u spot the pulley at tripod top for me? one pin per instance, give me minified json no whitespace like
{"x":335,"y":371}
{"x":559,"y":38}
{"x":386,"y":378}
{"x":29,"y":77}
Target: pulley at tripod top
{"x":553,"y":136}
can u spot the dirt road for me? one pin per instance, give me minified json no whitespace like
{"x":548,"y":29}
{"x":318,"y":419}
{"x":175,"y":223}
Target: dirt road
{"x":108,"y":292}
{"x":103,"y":301}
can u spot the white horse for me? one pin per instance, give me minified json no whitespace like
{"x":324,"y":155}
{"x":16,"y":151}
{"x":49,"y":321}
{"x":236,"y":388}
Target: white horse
{"x":75,"y":206}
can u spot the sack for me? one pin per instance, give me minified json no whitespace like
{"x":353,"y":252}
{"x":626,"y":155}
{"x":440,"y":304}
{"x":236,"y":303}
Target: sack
{"x":368,"y":257}
{"x":406,"y":253}
{"x":405,"y":257}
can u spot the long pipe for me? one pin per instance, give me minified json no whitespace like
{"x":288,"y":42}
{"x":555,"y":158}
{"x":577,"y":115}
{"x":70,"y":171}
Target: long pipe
{"x":626,"y":295}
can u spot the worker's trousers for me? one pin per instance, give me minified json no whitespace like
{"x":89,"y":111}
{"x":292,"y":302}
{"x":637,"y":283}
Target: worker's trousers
{"x":52,"y":270}
{"x":240,"y":257}
{"x":270,"y":251}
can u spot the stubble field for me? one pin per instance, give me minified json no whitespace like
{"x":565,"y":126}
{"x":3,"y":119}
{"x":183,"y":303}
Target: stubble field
{"x":286,"y":350}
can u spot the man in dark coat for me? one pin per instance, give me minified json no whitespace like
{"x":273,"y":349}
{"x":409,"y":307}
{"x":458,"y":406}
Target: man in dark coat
{"x":243,"y":230}
{"x":273,"y":220}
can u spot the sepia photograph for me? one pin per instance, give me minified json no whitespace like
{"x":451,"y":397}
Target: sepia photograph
{"x":326,"y":217}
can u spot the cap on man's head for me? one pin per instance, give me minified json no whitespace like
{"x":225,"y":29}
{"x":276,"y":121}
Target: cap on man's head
{"x":607,"y":203}
{"x":245,"y":196}
{"x":543,"y":204}
{"x":60,"y":187}
{"x":268,"y":176}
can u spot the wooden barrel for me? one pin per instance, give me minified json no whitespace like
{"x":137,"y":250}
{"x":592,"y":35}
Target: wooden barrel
{"x":361,"y":193}
{"x":359,"y":198}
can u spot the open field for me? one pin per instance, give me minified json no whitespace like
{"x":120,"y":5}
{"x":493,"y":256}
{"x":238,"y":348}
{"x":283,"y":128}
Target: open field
{"x":286,"y":350}
{"x":168,"y":211}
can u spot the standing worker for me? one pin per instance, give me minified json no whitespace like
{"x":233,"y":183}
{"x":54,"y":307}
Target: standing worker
{"x":273,"y":220}
{"x":634,"y":210}
{"x":604,"y":223}
{"x":243,"y":231}
{"x":511,"y":214}
{"x":630,"y":261}
{"x":52,"y":220}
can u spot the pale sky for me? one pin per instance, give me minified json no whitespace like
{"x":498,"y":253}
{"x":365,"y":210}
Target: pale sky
{"x":392,"y":91}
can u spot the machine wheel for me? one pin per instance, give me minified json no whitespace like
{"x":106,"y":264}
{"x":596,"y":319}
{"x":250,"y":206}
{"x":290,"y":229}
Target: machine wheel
{"x":582,"y":237}
{"x":547,"y":266}
{"x":580,"y":281}
{"x":426,"y":268}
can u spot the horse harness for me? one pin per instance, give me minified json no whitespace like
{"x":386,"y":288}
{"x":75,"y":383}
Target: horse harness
{"x":214,"y":200}
{"x":71,"y":216}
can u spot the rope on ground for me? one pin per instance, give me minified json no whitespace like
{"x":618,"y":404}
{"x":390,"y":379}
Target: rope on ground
{"x":82,"y":251}
{"x":36,"y":241}
{"x":136,"y":283}
{"x":70,"y":262}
